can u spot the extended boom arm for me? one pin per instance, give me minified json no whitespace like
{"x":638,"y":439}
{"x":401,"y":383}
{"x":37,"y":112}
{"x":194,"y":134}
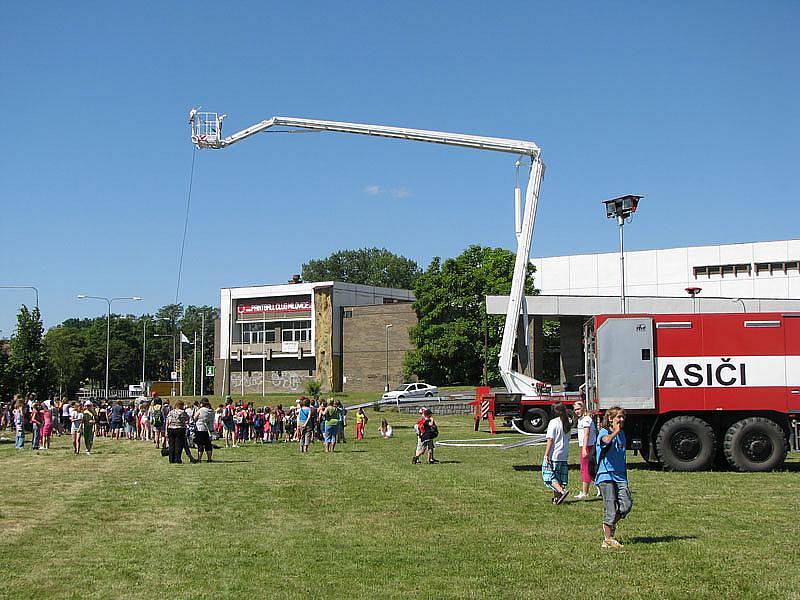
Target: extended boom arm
{"x":207,"y":133}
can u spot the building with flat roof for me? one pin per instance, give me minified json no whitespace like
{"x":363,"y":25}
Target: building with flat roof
{"x":747,"y":277}
{"x":747,"y":270}
{"x":274,"y":338}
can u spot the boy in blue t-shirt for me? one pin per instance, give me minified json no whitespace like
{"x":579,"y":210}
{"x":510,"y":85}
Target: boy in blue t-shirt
{"x":612,"y":474}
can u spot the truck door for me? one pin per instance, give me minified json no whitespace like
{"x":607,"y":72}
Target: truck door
{"x":625,"y":363}
{"x":792,"y":323}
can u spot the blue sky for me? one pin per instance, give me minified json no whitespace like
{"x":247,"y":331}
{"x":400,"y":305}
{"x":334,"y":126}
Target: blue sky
{"x":693,"y":105}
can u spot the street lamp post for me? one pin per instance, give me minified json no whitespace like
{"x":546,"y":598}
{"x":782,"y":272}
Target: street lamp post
{"x":108,"y":301}
{"x":24,"y":287}
{"x":620,"y":209}
{"x":387,"y":356}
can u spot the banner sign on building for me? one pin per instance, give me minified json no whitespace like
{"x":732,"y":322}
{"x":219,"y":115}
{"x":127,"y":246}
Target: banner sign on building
{"x":275,"y":306}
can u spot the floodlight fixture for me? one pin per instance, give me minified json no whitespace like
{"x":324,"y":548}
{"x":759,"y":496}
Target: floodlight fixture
{"x":620,"y":208}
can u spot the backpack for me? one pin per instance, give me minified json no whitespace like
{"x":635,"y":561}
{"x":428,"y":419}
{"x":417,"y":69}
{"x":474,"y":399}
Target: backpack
{"x":430,"y":432}
{"x":157,"y":418}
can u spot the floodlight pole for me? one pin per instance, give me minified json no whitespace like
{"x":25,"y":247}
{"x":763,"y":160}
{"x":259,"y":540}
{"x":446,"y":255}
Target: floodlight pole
{"x":621,"y":221}
{"x":108,"y":302}
{"x":622,"y":208}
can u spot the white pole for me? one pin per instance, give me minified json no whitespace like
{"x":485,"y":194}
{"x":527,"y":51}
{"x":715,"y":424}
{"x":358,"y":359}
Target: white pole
{"x":264,"y":360}
{"x":621,"y":222}
{"x":144,"y":350}
{"x":202,"y":354}
{"x":194,"y":365}
{"x":108,"y":343}
{"x":180,"y":370}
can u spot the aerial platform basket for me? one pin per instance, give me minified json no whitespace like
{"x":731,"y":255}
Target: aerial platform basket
{"x":206,"y":128}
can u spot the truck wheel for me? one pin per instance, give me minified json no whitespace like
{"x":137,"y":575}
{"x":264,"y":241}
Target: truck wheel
{"x":755,"y":444}
{"x":686,"y":444}
{"x":535,"y":420}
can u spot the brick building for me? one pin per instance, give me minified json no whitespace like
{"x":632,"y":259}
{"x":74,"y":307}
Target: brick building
{"x":374,"y":344}
{"x":276,"y":337}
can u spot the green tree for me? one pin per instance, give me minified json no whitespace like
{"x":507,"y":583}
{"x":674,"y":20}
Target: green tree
{"x":27,"y":366}
{"x":65,"y":350}
{"x":368,"y":266}
{"x":451,"y":308}
{"x":5,"y":388}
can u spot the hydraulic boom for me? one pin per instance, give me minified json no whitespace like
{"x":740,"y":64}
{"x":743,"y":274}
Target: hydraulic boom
{"x":206,"y":132}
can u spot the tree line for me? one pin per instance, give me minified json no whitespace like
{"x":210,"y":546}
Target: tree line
{"x":73,"y":354}
{"x":455,"y":341}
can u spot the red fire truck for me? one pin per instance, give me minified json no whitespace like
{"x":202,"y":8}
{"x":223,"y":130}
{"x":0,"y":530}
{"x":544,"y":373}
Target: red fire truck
{"x":700,"y":388}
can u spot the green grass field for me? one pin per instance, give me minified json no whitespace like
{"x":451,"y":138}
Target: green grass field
{"x":265,"y":521}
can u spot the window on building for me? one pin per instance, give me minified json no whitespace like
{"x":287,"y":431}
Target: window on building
{"x":729,"y":270}
{"x":348,"y":314}
{"x":776,"y":268}
{"x":258,"y":333}
{"x":296,"y":331}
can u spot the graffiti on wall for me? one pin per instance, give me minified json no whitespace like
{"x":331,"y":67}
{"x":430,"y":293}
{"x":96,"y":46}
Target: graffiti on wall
{"x":286,"y":381}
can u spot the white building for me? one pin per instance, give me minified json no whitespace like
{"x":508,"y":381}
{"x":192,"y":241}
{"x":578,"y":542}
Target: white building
{"x":748,"y":277}
{"x":748,"y":270}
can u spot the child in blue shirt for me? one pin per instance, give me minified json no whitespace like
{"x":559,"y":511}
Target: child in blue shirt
{"x":612,"y":474}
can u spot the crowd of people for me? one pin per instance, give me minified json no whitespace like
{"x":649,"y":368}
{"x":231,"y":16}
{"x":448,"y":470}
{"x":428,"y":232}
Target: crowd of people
{"x":179,"y":428}
{"x":602,"y":462}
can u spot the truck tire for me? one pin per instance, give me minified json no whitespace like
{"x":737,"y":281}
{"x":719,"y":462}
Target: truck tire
{"x":755,"y":444}
{"x":535,"y":420}
{"x":686,"y":444}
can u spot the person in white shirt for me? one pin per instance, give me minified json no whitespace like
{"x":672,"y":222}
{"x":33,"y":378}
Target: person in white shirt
{"x":587,"y":438}
{"x":76,"y":426}
{"x":385,"y":429}
{"x":556,"y":453}
{"x":204,"y":421}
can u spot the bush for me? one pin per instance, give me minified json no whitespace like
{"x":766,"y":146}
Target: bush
{"x":313,"y":388}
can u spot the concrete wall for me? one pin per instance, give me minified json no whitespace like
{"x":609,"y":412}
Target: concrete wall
{"x":364,"y":345}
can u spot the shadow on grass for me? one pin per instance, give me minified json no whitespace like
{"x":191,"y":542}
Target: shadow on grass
{"x":661,"y":539}
{"x":217,"y":461}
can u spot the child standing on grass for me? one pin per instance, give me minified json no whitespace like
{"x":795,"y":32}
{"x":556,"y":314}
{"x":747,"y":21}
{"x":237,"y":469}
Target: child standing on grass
{"x":612,"y":474}
{"x":556,"y":453}
{"x":587,"y":440}
{"x":427,"y":431}
{"x":19,"y":425}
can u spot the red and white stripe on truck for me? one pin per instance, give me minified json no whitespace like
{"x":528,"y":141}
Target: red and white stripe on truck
{"x":725,"y":386}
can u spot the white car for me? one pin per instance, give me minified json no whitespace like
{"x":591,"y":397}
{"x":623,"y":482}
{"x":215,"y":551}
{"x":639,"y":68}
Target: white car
{"x":412,"y":390}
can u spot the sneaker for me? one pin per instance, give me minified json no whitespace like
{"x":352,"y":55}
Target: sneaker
{"x":613,"y":543}
{"x":598,"y":494}
{"x":581,"y":496}
{"x":561,"y":497}
{"x":415,"y":460}
{"x":88,"y":453}
{"x":606,"y":545}
{"x":433,"y":461}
